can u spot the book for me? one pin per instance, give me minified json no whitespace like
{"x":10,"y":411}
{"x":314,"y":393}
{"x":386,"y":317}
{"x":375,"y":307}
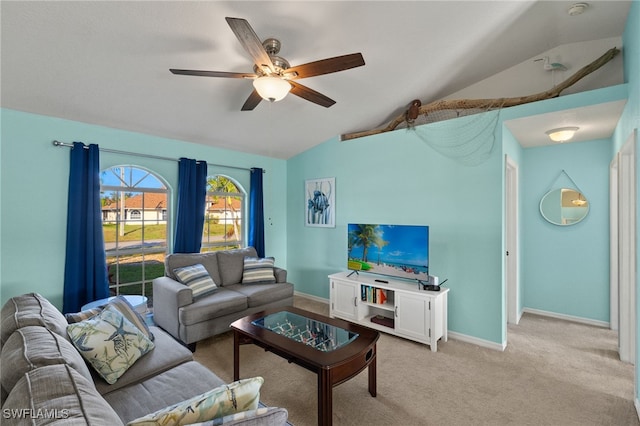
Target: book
{"x":382,"y":296}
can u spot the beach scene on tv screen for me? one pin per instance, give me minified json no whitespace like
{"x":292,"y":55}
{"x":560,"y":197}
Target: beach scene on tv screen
{"x":395,"y":250}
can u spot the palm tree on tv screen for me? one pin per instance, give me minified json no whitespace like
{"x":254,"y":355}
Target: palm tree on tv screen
{"x":365,"y":236}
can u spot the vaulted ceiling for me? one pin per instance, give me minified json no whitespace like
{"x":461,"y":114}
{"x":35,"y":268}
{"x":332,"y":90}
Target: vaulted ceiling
{"x":107,"y":63}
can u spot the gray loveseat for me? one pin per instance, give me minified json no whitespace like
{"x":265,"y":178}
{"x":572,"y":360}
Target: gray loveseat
{"x":45,"y":380}
{"x":189,"y":320}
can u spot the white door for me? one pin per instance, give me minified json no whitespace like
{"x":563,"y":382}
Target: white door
{"x":511,"y":242}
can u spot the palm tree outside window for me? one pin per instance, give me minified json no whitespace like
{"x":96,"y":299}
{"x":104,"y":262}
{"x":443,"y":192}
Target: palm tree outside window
{"x":224,"y":215}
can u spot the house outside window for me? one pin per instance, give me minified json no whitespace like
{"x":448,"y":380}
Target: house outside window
{"x":224,"y":226}
{"x":134,"y":223}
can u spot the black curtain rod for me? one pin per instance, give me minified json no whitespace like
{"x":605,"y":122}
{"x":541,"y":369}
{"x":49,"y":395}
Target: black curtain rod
{"x":156,"y":157}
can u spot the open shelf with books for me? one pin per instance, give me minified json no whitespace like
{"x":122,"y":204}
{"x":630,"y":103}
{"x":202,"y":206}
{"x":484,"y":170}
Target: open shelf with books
{"x":394,"y":306}
{"x":376,"y":297}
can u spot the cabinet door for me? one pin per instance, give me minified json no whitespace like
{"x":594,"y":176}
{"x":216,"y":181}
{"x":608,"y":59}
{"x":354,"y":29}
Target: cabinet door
{"x":344,"y":299}
{"x":412,"y":316}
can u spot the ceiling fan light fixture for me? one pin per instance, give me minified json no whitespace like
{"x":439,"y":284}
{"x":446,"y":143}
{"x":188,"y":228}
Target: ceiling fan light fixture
{"x":271,"y":88}
{"x":561,"y":134}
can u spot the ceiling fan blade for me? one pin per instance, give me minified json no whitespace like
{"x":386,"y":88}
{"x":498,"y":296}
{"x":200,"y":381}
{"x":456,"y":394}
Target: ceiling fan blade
{"x":251,"y":43}
{"x":311,"y":95}
{"x":214,"y":73}
{"x":326,"y":66}
{"x":252,"y":101}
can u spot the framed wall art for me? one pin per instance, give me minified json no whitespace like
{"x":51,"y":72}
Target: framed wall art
{"x":320,"y":202}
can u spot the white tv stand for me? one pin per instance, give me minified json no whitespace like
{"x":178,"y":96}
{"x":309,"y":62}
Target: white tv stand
{"x":408,"y":312}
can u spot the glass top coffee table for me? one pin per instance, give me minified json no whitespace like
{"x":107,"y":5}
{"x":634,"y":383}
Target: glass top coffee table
{"x":334,"y":349}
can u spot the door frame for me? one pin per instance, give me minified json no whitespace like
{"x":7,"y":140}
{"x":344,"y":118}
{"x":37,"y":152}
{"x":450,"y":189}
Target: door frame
{"x":626,"y":249}
{"x":512,"y":276}
{"x":614,"y":290}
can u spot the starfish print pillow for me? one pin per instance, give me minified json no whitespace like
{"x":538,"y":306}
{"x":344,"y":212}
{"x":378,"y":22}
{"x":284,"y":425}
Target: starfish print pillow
{"x":109,"y":342}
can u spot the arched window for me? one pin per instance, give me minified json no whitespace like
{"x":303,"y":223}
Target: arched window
{"x":134,"y":223}
{"x":224,"y":215}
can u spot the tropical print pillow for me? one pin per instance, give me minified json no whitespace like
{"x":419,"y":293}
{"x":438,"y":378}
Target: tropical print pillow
{"x":110,"y":343}
{"x":235,"y":397}
{"x":259,"y":416}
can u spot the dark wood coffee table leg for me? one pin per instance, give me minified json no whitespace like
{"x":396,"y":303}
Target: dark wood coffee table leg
{"x":236,"y":356}
{"x":325,"y":398}
{"x":373,"y":381}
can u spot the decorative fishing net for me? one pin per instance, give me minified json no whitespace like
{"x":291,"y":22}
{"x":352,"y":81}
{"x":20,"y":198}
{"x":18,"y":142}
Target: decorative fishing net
{"x":472,"y":140}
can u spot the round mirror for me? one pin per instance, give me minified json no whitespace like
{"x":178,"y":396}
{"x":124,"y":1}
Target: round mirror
{"x":564,"y":206}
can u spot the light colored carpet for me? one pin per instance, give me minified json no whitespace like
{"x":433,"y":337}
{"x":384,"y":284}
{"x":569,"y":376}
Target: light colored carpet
{"x":553,"y":372}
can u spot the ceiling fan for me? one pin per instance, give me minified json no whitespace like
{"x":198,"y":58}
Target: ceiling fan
{"x":273,"y":77}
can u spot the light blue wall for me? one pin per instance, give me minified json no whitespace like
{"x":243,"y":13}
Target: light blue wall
{"x":34,"y":181}
{"x":565,"y":269}
{"x":396,"y":178}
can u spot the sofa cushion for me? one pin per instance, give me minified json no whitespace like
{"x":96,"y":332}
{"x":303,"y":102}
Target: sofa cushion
{"x":231,"y":264}
{"x":258,"y":270}
{"x":31,"y":347}
{"x":140,"y":399}
{"x":218,"y":304}
{"x":262,"y":294}
{"x":61,"y":392}
{"x":197,"y":279}
{"x":110,"y":343}
{"x":166,"y":354}
{"x":235,"y":397}
{"x":178,"y":260}
{"x":31,"y":309}
{"x":262,"y":416}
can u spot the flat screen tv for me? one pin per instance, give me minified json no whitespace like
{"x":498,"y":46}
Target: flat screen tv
{"x":400,"y":251}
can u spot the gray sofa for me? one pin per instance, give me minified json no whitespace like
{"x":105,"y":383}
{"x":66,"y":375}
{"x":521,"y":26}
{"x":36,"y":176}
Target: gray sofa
{"x":45,"y":380}
{"x":189,"y":320}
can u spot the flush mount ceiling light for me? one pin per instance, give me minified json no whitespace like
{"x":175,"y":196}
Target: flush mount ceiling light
{"x":271,"y":89}
{"x":579,"y":201}
{"x":561,"y":134}
{"x":577,"y":9}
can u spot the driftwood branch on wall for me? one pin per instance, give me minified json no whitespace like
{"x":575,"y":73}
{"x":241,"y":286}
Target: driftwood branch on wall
{"x":457,"y":104}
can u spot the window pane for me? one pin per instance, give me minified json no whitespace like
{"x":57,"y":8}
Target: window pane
{"x":134,"y":214}
{"x":223,"y":227}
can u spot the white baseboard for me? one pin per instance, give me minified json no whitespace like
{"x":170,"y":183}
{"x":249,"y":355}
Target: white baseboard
{"x":311,"y":297}
{"x":581,"y":320}
{"x":476,"y":341}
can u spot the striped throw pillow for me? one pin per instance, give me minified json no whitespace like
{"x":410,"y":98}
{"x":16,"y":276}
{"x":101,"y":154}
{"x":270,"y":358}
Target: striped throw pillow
{"x":258,"y":270}
{"x":122,"y":305}
{"x":73,"y":317}
{"x":197,"y":278}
